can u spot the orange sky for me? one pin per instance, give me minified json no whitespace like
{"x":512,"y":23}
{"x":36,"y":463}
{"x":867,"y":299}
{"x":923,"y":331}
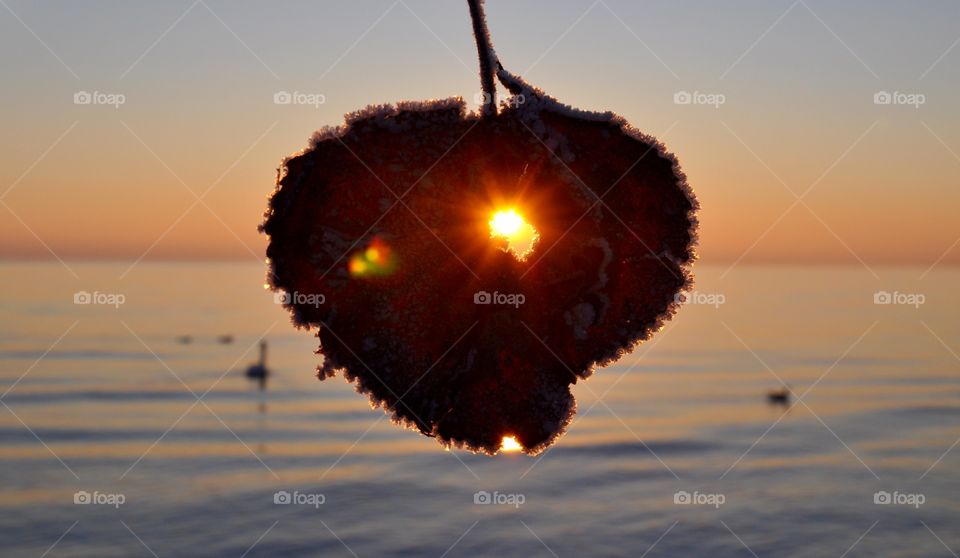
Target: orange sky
{"x":95,"y":181}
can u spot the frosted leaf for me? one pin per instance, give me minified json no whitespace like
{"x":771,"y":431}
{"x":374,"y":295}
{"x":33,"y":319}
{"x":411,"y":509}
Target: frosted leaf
{"x":414,"y":339}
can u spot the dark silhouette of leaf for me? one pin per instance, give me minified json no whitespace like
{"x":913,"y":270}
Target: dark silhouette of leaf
{"x":417,"y":182}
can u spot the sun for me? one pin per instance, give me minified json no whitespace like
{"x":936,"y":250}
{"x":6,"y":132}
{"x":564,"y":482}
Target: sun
{"x":506,"y":222}
{"x":509,"y":226}
{"x":510,"y":445}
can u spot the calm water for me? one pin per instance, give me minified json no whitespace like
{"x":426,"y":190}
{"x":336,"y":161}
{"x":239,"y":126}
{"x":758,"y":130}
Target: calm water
{"x":111,"y":408}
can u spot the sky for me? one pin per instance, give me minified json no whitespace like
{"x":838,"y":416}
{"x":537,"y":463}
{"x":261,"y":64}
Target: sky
{"x":790,"y":153}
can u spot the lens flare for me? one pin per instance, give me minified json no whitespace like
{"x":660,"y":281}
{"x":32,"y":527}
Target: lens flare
{"x":518,"y":236}
{"x":376,"y":259}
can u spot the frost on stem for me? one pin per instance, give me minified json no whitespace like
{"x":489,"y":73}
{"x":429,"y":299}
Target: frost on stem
{"x":486,"y":55}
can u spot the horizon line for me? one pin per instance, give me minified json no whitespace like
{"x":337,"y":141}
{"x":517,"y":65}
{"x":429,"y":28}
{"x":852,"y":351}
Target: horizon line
{"x":709,"y":262}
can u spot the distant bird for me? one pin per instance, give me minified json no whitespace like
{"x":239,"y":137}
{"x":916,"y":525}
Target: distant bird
{"x":225,"y":339}
{"x":779,"y":396}
{"x":185,"y":339}
{"x":259,"y":370}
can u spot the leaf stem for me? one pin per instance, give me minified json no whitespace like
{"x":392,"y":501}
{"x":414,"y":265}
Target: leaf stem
{"x":487,"y":56}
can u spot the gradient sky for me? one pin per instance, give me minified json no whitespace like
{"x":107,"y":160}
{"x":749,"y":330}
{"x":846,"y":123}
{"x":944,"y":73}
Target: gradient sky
{"x":799,"y":78}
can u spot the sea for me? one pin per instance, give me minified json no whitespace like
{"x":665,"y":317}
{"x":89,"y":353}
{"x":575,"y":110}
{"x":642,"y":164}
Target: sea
{"x":128,"y":428}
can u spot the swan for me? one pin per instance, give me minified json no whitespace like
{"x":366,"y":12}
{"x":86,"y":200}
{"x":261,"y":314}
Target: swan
{"x":258,"y":371}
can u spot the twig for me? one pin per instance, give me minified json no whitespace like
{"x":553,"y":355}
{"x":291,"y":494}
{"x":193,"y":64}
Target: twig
{"x":488,"y":58}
